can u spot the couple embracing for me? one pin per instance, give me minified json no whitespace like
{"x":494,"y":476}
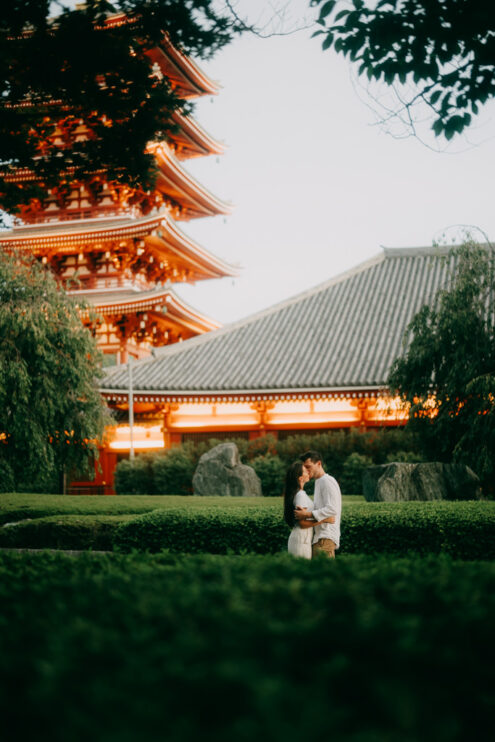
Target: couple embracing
{"x":315,"y":526}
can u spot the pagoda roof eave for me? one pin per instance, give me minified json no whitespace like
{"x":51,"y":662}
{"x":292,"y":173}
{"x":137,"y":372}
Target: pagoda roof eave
{"x":189,"y":70}
{"x":177,"y":309}
{"x":205,"y":144}
{"x":192,"y":74}
{"x":192,"y":193}
{"x":67,"y":237}
{"x":80,"y":230}
{"x":217,"y":267}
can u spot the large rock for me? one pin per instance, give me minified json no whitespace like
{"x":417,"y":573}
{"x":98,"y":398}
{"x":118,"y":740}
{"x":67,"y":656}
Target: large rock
{"x":220,"y":472}
{"x":429,"y":481}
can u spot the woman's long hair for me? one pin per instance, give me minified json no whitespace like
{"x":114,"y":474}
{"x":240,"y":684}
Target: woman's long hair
{"x":294,"y":471}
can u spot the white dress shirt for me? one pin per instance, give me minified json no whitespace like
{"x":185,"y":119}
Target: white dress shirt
{"x":327,"y":502}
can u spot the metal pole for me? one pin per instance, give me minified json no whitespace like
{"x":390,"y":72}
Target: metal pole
{"x":131,"y":410}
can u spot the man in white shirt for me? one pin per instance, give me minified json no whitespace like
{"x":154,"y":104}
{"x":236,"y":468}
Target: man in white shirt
{"x":327,"y":502}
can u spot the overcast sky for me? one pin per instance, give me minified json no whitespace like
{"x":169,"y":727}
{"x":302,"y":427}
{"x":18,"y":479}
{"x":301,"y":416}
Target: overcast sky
{"x":317,"y":187}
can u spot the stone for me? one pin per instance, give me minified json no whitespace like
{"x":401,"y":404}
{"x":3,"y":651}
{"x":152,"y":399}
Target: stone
{"x":220,"y":472}
{"x":397,"y":482}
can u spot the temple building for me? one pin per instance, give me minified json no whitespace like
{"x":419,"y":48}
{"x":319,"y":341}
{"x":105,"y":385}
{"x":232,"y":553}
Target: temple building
{"x":121,"y":253}
{"x":316,"y":362}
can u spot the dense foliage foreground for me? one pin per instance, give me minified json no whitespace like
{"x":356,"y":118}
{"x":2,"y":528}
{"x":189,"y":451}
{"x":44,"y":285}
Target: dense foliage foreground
{"x":222,"y":525}
{"x":222,"y":648}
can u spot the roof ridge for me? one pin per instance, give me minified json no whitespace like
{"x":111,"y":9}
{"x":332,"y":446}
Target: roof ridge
{"x":413,"y":252}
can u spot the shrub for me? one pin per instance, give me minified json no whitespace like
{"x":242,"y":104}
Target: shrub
{"x":271,"y":471}
{"x":464,"y":530}
{"x":62,"y":532}
{"x":197,"y":532}
{"x":135,"y":476}
{"x":173,"y":471}
{"x":351,"y":481}
{"x":142,"y":647}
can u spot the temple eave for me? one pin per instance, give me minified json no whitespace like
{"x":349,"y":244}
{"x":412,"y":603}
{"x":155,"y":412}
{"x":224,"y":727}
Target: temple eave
{"x":252,"y":395}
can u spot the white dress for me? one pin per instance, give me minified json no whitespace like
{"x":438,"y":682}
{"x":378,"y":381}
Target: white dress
{"x":300,"y":539}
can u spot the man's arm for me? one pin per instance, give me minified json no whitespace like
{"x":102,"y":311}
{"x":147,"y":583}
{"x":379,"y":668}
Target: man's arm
{"x":330,"y":495}
{"x":306,"y":520}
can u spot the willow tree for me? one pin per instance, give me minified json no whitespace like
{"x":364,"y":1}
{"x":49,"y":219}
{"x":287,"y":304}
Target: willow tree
{"x":51,"y":412}
{"x":446,"y":373}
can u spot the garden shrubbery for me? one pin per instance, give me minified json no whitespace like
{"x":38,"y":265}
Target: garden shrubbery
{"x":271,"y":470}
{"x":71,"y":532}
{"x":135,"y":476}
{"x":180,"y":648}
{"x":345,"y":453}
{"x":466,"y":530}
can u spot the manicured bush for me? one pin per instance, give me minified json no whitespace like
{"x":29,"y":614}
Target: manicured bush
{"x":351,"y":481}
{"x":63,"y":532}
{"x":221,"y":524}
{"x":200,"y":532}
{"x":465,"y":530}
{"x":271,"y":471}
{"x":215,"y":648}
{"x":173,"y":471}
{"x":135,"y":476}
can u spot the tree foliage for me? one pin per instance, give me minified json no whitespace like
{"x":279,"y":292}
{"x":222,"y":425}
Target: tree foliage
{"x":51,"y":412}
{"x":447,"y":371}
{"x":76,"y":70}
{"x":446,"y":48}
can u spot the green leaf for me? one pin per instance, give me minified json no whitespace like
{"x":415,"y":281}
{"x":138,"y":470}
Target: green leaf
{"x":328,"y":41}
{"x":326,"y":8}
{"x":435,"y":96}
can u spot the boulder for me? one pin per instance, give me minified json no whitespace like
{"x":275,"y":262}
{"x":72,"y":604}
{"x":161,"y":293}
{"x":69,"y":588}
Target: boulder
{"x":220,"y":472}
{"x":398,"y":482}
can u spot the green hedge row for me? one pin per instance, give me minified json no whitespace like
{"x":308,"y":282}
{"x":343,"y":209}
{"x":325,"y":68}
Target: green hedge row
{"x":345,"y":453}
{"x":463,"y":530}
{"x":228,"y":648}
{"x":63,"y":532}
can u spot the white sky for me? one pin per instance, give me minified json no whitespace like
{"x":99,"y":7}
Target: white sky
{"x":317,"y":188}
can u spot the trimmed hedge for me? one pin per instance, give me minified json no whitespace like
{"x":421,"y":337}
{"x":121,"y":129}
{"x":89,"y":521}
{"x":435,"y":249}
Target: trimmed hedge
{"x":63,"y":532}
{"x":216,"y":648}
{"x":464,"y":530}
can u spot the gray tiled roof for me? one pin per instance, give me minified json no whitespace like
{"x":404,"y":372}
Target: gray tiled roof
{"x":343,"y":333}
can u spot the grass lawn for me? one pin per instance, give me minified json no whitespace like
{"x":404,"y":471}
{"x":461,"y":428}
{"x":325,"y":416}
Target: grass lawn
{"x":20,"y":506}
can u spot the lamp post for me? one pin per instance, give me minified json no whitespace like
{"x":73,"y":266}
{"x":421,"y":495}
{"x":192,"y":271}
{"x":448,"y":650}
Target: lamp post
{"x":131,"y":409}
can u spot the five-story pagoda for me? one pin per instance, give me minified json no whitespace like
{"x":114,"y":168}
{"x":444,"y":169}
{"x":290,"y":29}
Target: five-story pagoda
{"x":115,"y":245}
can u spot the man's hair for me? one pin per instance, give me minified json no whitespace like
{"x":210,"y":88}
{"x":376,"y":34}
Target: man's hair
{"x":313,"y":455}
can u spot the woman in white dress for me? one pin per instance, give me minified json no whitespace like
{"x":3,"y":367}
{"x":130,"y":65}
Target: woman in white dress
{"x":301,"y":536}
